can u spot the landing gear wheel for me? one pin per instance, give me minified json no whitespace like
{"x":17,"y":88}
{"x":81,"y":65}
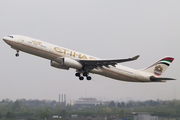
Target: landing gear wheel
{"x":77,"y":74}
{"x":81,"y":78}
{"x":17,"y":54}
{"x":88,"y":78}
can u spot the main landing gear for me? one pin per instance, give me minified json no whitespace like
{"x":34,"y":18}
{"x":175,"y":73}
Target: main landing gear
{"x":17,"y":54}
{"x":82,"y":77}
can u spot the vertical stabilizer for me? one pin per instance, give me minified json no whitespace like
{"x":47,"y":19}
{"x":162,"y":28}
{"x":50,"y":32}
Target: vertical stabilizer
{"x":158,"y":68}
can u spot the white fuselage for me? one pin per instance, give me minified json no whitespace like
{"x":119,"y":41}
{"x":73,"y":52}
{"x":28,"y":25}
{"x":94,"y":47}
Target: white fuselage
{"x":52,"y":52}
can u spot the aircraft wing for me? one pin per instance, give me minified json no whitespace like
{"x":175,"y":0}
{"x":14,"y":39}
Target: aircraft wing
{"x":100,"y":63}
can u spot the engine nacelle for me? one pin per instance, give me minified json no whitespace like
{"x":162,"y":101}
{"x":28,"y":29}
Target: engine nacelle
{"x":57,"y":65}
{"x":72,"y":63}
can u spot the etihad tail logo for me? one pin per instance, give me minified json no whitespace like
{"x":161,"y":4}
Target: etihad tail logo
{"x":158,"y":70}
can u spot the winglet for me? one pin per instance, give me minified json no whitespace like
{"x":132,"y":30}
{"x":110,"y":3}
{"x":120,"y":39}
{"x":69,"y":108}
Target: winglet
{"x":135,"y":57}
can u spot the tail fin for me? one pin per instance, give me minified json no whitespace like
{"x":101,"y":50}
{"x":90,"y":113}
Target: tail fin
{"x":160,"y":66}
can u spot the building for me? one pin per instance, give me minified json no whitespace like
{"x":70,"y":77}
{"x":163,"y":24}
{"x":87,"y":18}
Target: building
{"x":70,"y":102}
{"x":144,"y":116}
{"x":87,"y":102}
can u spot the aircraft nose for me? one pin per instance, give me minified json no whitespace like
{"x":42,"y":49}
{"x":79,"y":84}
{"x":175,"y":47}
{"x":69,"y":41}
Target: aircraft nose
{"x":4,"y":38}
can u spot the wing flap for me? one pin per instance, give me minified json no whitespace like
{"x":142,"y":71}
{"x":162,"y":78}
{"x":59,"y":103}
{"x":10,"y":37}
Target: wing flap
{"x":90,"y":64}
{"x":108,"y":62}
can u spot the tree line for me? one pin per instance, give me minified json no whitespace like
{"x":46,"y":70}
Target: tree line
{"x":36,"y":109}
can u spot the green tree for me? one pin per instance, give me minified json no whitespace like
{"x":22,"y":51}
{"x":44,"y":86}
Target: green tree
{"x":111,"y":104}
{"x":118,"y":105}
{"x":63,"y":113}
{"x":53,"y":102}
{"x":15,"y":106}
{"x":115,"y":110}
{"x":129,"y":105}
{"x":107,"y":110}
{"x":121,"y":114}
{"x":99,"y":109}
{"x":69,"y":108}
{"x":57,"y":109}
{"x":10,"y":115}
{"x":122,"y":104}
{"x":45,"y":114}
{"x":0,"y":115}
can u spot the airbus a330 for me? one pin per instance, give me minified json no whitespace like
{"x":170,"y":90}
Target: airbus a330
{"x":64,"y":58}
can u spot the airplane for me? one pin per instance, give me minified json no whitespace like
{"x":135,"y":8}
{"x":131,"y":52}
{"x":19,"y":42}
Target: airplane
{"x":65,"y":59}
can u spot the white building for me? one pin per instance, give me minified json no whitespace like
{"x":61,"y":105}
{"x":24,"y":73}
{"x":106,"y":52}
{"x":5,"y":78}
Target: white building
{"x":70,"y":102}
{"x":84,"y":102}
{"x":144,"y":116}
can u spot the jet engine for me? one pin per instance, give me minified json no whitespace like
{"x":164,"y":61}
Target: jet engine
{"x":71,"y":63}
{"x":57,"y":65}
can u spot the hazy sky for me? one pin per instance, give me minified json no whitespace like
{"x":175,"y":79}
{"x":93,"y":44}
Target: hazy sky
{"x":105,"y":29}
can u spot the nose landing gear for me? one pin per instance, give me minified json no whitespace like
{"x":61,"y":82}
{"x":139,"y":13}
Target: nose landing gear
{"x":17,"y":54}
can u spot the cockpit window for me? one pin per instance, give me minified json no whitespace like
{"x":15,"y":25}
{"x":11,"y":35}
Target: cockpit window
{"x":10,"y":36}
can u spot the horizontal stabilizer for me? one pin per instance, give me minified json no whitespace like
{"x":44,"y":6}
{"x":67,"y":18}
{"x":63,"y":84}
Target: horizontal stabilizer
{"x":152,"y":78}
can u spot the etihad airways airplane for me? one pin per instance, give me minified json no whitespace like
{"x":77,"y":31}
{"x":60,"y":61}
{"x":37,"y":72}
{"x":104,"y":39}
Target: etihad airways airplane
{"x":64,"y":58}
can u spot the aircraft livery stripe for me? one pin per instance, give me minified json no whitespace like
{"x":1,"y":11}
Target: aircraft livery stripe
{"x":159,"y":63}
{"x":121,"y":74}
{"x":163,"y":63}
{"x":61,"y":56}
{"x":169,"y":59}
{"x":35,"y":48}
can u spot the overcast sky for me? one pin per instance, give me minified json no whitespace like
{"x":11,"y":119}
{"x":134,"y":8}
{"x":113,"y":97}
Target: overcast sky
{"x":105,"y":29}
